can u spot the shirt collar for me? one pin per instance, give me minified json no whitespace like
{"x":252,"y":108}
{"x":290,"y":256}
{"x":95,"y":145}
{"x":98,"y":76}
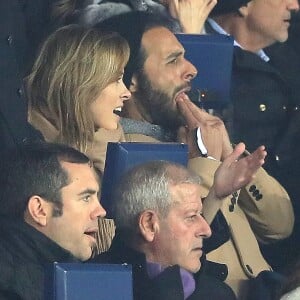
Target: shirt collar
{"x":261,"y":53}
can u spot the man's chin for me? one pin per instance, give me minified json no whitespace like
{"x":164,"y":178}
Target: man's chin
{"x":86,"y":255}
{"x":171,"y":119}
{"x":195,"y":268}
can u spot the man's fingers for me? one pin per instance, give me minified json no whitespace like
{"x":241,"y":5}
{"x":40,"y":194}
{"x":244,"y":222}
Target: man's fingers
{"x":236,"y":153}
{"x":182,"y":135}
{"x":257,"y":158}
{"x":195,"y":116}
{"x":187,"y":114}
{"x":198,"y":113}
{"x":260,"y":152}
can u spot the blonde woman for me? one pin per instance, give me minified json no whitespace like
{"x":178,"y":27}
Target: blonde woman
{"x":76,"y":93}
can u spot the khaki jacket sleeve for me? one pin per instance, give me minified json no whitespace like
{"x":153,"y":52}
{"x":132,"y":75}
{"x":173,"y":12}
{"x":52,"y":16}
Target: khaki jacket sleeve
{"x":205,"y":168}
{"x":264,"y":201}
{"x":267,"y":207}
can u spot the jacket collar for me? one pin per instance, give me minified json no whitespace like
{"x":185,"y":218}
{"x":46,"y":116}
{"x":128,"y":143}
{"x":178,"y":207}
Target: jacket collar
{"x":126,"y":254}
{"x":31,"y":244}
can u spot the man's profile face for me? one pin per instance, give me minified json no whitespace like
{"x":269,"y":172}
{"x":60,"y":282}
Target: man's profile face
{"x":270,"y":19}
{"x":180,"y":237}
{"x":165,"y":75}
{"x":75,"y":229}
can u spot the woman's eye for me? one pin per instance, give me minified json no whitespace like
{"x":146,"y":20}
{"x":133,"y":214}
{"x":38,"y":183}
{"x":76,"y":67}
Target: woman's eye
{"x":120,"y":79}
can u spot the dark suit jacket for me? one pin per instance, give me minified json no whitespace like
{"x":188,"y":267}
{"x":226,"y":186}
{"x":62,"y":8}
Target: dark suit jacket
{"x":266,"y":111}
{"x":266,"y":106}
{"x":25,"y":255}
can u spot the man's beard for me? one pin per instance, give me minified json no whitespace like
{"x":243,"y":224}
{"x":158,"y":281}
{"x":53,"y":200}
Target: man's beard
{"x":158,"y":104}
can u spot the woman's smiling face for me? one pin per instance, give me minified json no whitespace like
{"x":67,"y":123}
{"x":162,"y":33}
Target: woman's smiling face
{"x":108,"y":105}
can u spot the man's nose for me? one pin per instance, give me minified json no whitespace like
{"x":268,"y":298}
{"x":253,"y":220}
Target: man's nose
{"x":191,"y":71}
{"x":98,"y":211}
{"x":293,"y":5}
{"x":204,"y":229}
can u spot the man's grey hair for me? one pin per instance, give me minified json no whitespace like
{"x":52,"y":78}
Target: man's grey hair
{"x":147,"y":186}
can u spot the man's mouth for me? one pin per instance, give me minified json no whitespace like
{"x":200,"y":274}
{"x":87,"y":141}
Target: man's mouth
{"x":198,"y":249}
{"x":117,"y":111}
{"x":182,"y":93}
{"x":92,"y":232}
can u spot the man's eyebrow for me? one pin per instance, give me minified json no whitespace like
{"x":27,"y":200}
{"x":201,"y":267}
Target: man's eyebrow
{"x":193,"y":210}
{"x":174,"y":54}
{"x":87,"y":192}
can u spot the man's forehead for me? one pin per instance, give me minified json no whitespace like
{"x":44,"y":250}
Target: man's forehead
{"x":161,"y":40}
{"x":77,"y":171}
{"x":184,"y":192}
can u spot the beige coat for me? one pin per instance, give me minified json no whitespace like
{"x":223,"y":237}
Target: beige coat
{"x":258,"y":214}
{"x":97,"y":154}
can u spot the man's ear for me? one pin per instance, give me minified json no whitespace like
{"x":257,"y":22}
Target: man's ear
{"x":38,"y":210}
{"x":244,"y":10}
{"x":148,"y":225}
{"x":133,"y":84}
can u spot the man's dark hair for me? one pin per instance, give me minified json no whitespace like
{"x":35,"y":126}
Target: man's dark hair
{"x":35,"y":169}
{"x":227,"y":6}
{"x":132,"y":27}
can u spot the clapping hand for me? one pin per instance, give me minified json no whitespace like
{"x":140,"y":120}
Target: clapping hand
{"x":235,"y":172}
{"x":191,"y":13}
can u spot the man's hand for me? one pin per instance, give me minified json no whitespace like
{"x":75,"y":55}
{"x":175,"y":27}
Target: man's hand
{"x":232,"y":174}
{"x":235,"y":173}
{"x":213,"y":131}
{"x":190,"y":13}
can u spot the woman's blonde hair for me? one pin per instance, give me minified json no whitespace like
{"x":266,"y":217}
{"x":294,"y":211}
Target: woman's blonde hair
{"x":74,"y":65}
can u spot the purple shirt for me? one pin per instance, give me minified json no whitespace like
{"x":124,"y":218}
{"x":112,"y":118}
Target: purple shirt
{"x":187,"y":278}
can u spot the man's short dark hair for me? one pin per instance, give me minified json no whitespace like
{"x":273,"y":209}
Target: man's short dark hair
{"x":132,"y":27}
{"x":35,"y":169}
{"x":227,"y":6}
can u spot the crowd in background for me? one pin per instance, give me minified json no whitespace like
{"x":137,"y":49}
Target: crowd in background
{"x":85,"y":73}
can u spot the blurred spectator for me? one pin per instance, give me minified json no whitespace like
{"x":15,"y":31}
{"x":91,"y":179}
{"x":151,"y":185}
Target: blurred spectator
{"x":186,"y":15}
